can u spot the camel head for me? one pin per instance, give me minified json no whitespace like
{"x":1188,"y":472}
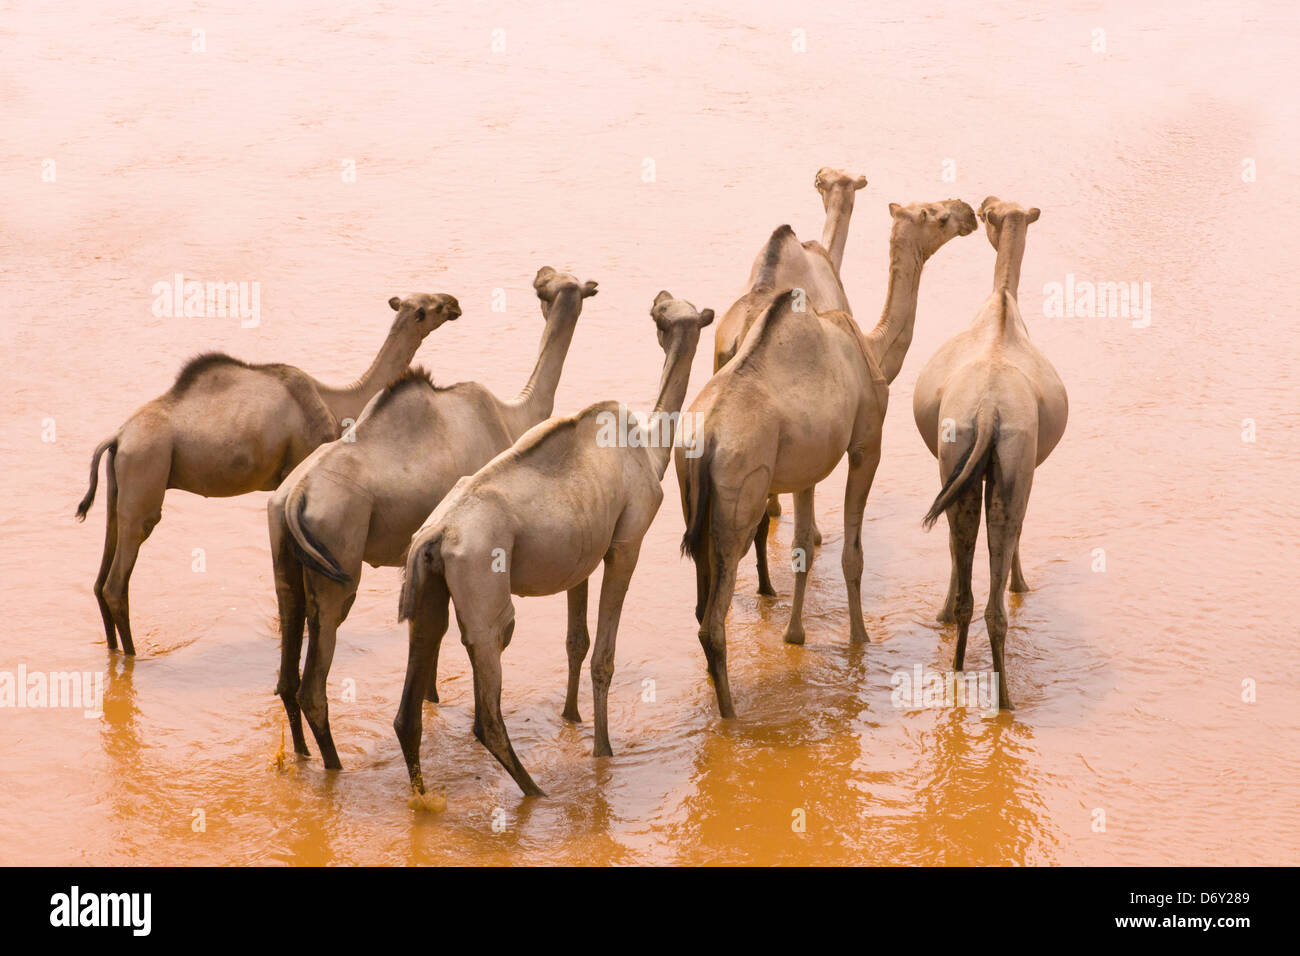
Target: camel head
{"x":836,"y":185}
{"x":678,"y":322}
{"x":928,"y":225}
{"x":549,"y":285}
{"x":420,"y":314}
{"x":994,"y":211}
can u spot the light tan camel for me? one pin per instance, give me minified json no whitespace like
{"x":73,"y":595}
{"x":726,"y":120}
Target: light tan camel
{"x":539,"y":519}
{"x":226,"y":428}
{"x":786,"y":263}
{"x":359,"y":499}
{"x":805,"y":389}
{"x":991,"y":408}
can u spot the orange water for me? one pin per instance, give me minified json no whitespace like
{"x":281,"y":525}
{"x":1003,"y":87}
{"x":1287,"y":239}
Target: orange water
{"x":476,"y":167}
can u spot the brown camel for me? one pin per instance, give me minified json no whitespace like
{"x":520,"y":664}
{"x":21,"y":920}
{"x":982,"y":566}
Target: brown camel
{"x":226,"y":428}
{"x":360,"y":500}
{"x":804,"y":389}
{"x":539,"y":519}
{"x":786,"y":263}
{"x":991,"y":408}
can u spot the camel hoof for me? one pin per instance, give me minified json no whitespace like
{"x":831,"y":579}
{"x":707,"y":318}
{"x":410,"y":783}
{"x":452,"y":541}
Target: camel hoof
{"x":773,"y":507}
{"x":794,"y":637}
{"x":605,"y":751}
{"x":572,"y":716}
{"x":432,"y":697}
{"x":859,"y":637}
{"x":817,"y":535}
{"x":767,"y":591}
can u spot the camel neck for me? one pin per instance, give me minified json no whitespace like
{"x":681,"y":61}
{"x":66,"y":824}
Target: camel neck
{"x":672,"y":393}
{"x":892,"y":336}
{"x":537,"y":400}
{"x":835,"y":233}
{"x":393,"y":358}
{"x":1011,"y":250}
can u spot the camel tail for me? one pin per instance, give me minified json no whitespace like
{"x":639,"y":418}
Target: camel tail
{"x":422,"y":564}
{"x":109,"y":445}
{"x":699,"y":491}
{"x":970,"y":467}
{"x":310,"y":551}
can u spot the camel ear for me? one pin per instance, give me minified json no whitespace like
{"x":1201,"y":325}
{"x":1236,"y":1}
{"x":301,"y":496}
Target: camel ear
{"x":1034,"y":213}
{"x":663,"y":296}
{"x":395,"y":303}
{"x":588,"y":289}
{"x":544,"y":273}
{"x":706,"y":317}
{"x":984,"y":208}
{"x":859,"y":182}
{"x":894,"y":208}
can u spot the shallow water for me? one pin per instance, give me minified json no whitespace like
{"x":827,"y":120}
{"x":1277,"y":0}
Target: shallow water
{"x":474,"y":168}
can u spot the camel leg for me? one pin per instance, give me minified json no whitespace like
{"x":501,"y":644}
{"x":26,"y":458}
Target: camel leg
{"x":862,"y":471}
{"x":1005,"y":500}
{"x":139,"y":509}
{"x":713,"y":631}
{"x":816,"y":531}
{"x":328,"y":606}
{"x":948,"y":614}
{"x":702,"y":583}
{"x":803,"y":546}
{"x":1018,"y":584}
{"x":291,"y":594}
{"x":963,"y":531}
{"x":576,"y":642}
{"x":110,"y":548}
{"x":485,"y":646}
{"x":760,"y":550}
{"x":427,"y":626}
{"x":619,"y":565}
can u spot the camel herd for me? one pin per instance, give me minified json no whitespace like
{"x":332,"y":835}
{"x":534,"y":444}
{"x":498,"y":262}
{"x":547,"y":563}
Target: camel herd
{"x":480,"y":498}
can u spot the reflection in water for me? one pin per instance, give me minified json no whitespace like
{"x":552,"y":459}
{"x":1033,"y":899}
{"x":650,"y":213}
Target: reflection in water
{"x":1143,"y":545}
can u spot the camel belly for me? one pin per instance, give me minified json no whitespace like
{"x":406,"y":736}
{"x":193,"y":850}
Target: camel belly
{"x":807,"y":459}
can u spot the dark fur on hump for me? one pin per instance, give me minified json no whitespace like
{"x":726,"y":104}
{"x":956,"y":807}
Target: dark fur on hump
{"x":417,"y":376}
{"x":193,"y":369}
{"x":772,"y":256}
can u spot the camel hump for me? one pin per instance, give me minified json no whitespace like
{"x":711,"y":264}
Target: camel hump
{"x":782,"y":240}
{"x":195,"y":368}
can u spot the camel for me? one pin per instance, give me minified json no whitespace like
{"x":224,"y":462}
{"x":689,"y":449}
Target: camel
{"x":538,"y":519}
{"x":785,"y":263}
{"x":361,"y":499}
{"x":226,"y":428}
{"x":804,"y":389}
{"x":991,"y":408}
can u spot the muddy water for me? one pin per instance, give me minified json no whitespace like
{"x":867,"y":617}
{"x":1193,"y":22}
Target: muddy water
{"x":1159,"y":541}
